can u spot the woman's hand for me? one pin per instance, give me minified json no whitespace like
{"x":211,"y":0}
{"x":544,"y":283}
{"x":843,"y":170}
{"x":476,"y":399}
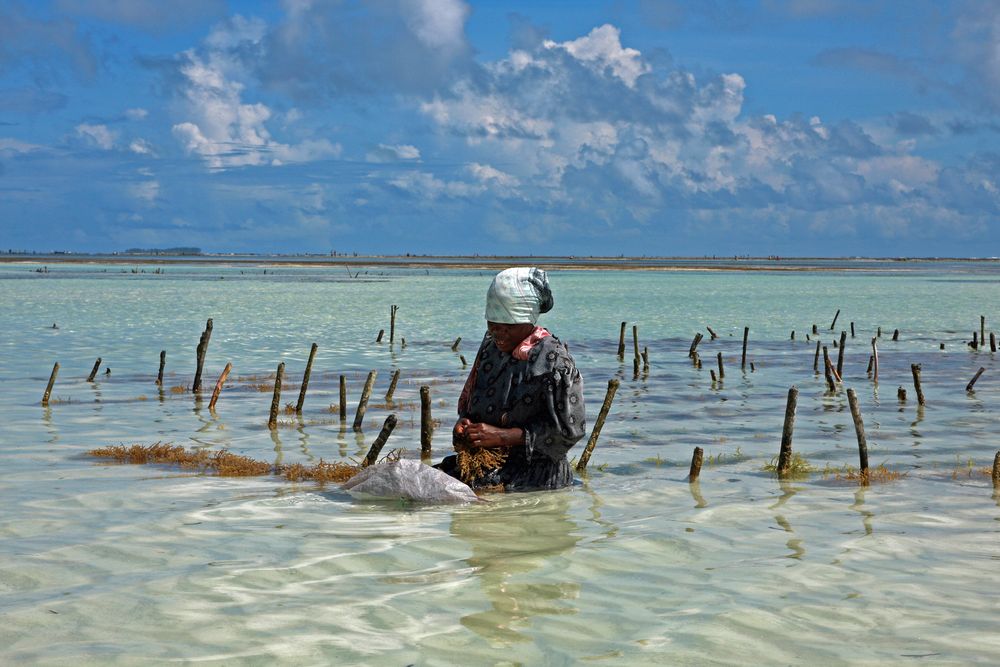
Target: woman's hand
{"x":485,"y":435}
{"x":458,"y":433}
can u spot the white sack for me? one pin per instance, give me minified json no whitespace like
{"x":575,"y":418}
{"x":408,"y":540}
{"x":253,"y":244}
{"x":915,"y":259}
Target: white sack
{"x":412,"y":480}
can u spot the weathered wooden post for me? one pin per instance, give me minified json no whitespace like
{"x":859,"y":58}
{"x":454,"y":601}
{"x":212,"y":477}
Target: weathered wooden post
{"x":305,"y":379}
{"x":645,"y":359}
{"x":852,"y":329}
{"x":598,"y":425}
{"x":93,"y":371}
{"x":859,"y":430}
{"x":901,"y":394}
{"x":712,"y":333}
{"x":722,"y":372}
{"x":895,"y":335}
{"x":993,"y":342}
{"x":218,"y":386}
{"x":915,"y":369}
{"x":202,"y":352}
{"x":621,"y":343}
{"x":696,"y":461}
{"x":376,"y":448}
{"x":359,"y":416}
{"x":426,"y":422}
{"x":635,"y":341}
{"x":454,"y":346}
{"x":982,"y":328}
{"x":816,"y":356}
{"x":392,"y":324}
{"x":381,"y":333}
{"x":392,"y":386}
{"x":743,"y":359}
{"x":272,"y":420}
{"x":840,"y":354}
{"x":972,"y":382}
{"x":828,"y":370}
{"x":834,"y":323}
{"x":52,"y":381}
{"x":694,"y":345}
{"x":163,"y":361}
{"x":875,"y":359}
{"x":343,"y":398}
{"x":785,"y":454}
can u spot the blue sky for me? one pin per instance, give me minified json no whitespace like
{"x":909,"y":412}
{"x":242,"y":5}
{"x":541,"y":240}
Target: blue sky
{"x":636,"y":127}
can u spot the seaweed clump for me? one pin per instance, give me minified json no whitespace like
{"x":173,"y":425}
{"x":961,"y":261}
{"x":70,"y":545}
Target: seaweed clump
{"x":476,"y":463}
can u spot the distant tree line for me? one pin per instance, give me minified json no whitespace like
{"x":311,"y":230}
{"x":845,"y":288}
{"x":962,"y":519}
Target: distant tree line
{"x":163,"y":251}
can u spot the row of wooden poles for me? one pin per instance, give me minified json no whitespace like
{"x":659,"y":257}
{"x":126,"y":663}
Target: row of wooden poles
{"x":426,"y":420}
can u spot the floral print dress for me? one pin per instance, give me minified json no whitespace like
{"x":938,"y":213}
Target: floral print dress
{"x":543,"y":395}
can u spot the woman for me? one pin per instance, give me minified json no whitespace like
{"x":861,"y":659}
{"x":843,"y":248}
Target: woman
{"x":522,"y":405}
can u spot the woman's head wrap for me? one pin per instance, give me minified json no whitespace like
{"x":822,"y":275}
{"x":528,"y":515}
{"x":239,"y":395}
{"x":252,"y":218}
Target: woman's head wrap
{"x":517,"y":296}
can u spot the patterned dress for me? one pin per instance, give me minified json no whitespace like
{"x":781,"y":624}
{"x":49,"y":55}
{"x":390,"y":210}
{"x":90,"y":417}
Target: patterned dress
{"x":543,"y":395}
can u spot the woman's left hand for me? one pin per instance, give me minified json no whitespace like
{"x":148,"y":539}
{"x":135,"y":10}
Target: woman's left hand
{"x":485,"y":435}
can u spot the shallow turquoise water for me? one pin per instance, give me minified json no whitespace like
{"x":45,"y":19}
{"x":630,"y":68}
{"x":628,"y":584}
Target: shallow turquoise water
{"x":107,"y":564}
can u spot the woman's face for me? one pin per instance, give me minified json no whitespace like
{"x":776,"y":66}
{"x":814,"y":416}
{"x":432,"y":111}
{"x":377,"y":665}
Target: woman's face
{"x":508,"y":336}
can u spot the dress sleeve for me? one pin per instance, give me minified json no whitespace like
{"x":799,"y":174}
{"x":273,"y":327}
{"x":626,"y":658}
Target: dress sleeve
{"x":560,"y":421}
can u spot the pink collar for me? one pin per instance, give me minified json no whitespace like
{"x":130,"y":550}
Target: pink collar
{"x":524,"y":347}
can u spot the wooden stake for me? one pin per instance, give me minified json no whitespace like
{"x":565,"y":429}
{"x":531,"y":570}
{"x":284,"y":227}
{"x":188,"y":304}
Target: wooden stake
{"x":218,"y":386}
{"x":694,"y":345}
{"x":901,"y":394}
{"x":272,"y":420}
{"x":793,"y":335}
{"x":305,"y":379}
{"x":93,"y":371}
{"x":392,"y":324}
{"x":595,"y":433}
{"x":376,"y":448}
{"x":828,"y":370}
{"x":163,"y":361}
{"x":381,"y":332}
{"x":975,"y":340}
{"x":461,"y":358}
{"x":621,"y":344}
{"x":875,"y":358}
{"x":392,"y":386}
{"x":711,"y":372}
{"x":993,"y":342}
{"x":696,"y":461}
{"x":840,"y":354}
{"x":343,"y":398}
{"x":52,"y":381}
{"x":722,"y":371}
{"x":968,"y":387}
{"x":915,"y":369}
{"x":859,"y":429}
{"x":743,"y":359}
{"x":871,"y":360}
{"x":712,"y":333}
{"x":852,"y":329}
{"x":202,"y":352}
{"x":645,"y":359}
{"x":359,"y":416}
{"x":785,"y":454}
{"x":895,"y":335}
{"x":879,"y":333}
{"x":834,"y":323}
{"x":454,"y":346}
{"x":635,"y":340}
{"x":426,"y":422}
{"x":815,"y":330}
{"x":816,"y":356}
{"x":982,"y":328}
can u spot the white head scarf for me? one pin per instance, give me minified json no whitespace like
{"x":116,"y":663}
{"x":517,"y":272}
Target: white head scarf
{"x":518,"y":295}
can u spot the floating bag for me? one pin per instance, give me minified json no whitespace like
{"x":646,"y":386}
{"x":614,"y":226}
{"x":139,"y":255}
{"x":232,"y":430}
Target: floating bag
{"x":411,"y":480}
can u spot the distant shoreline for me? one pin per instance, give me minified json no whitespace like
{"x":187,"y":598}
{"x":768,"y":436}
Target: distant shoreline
{"x":575,"y":263}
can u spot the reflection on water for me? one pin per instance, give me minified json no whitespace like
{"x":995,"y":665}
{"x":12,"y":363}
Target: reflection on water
{"x":509,"y":541}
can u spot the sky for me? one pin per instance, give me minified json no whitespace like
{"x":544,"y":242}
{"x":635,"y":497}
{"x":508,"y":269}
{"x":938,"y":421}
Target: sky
{"x":549,"y":127}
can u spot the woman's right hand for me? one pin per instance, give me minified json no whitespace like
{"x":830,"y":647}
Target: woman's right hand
{"x":458,"y":434}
